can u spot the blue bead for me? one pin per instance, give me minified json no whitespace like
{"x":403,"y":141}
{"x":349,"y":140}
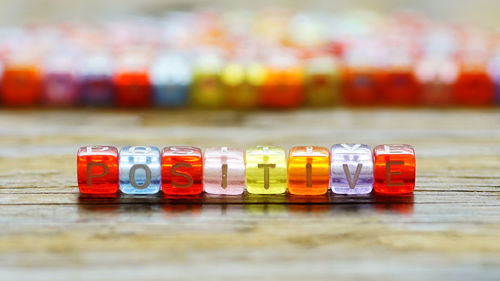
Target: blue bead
{"x":170,"y":96}
{"x":140,"y":170}
{"x":171,"y":78}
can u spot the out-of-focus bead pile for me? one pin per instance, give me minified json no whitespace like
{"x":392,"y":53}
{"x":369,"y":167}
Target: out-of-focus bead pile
{"x":244,"y":60}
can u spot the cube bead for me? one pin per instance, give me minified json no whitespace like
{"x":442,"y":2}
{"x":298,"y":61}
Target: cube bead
{"x":394,"y":169}
{"x":21,"y":85}
{"x":399,"y":87}
{"x":132,"y":89}
{"x":360,"y":87}
{"x":182,"y":170}
{"x":474,"y":88}
{"x":241,"y":81}
{"x":322,"y":81}
{"x":224,"y":171}
{"x":266,"y":170}
{"x":140,"y":170}
{"x":60,"y":89}
{"x":308,"y":170}
{"x":206,"y":88}
{"x":282,"y":87}
{"x":96,"y":80}
{"x":170,"y":79}
{"x":351,"y":169}
{"x":97,"y":90}
{"x":97,"y":169}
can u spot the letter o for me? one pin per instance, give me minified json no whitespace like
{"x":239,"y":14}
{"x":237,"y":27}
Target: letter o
{"x":131,"y":176}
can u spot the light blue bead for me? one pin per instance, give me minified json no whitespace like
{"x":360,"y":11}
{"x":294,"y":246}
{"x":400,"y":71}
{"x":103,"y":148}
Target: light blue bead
{"x":171,"y":78}
{"x":140,"y":170}
{"x":170,"y":95}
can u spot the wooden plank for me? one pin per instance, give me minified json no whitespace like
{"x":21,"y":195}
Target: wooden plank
{"x":448,"y":229}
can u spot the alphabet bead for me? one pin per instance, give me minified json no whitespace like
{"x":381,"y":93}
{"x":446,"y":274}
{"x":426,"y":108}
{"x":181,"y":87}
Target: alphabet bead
{"x":224,"y":171}
{"x":132,"y":89}
{"x":170,"y":79}
{"x":140,"y":170}
{"x":322,"y":81}
{"x":473,"y":87}
{"x":283,"y":85}
{"x":97,"y":169}
{"x":182,"y":170}
{"x":266,"y":170}
{"x":394,"y":169}
{"x":399,"y":87}
{"x":360,"y":86}
{"x":21,"y":85}
{"x":131,"y":80}
{"x":96,"y":84}
{"x":308,"y":170}
{"x":436,"y":77}
{"x":60,"y":84}
{"x":207,"y":88}
{"x":351,"y":169}
{"x":97,"y":90}
{"x":241,"y":81}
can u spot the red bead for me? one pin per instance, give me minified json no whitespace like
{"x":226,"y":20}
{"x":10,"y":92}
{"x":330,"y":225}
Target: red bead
{"x":436,"y":77}
{"x":474,"y":88}
{"x":399,"y":87}
{"x":360,"y":87}
{"x":132,"y":89}
{"x":394,"y":169}
{"x":97,"y":169}
{"x":181,"y":170}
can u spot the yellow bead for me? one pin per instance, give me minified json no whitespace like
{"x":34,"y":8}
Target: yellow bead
{"x":322,"y":82}
{"x":241,"y":82}
{"x":266,"y":170}
{"x":207,"y":90}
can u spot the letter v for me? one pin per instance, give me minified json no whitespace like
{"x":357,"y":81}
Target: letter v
{"x":352,"y":183}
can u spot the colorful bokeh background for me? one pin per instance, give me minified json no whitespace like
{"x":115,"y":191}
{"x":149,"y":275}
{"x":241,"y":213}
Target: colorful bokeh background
{"x":219,"y":54}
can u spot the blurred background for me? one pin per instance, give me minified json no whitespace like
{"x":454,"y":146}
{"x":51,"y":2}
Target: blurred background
{"x":222,"y":54}
{"x":481,"y":12}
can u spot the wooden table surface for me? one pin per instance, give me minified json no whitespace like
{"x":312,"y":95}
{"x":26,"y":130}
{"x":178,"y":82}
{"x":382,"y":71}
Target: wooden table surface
{"x":448,"y":230}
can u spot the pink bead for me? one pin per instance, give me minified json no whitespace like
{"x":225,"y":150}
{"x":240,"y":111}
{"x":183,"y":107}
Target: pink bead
{"x":224,"y":171}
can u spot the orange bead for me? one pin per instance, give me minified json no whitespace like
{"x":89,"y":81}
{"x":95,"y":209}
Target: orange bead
{"x":283,"y":87}
{"x":21,"y":85}
{"x":308,"y":170}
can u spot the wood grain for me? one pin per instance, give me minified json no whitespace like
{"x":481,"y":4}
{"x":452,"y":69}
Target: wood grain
{"x":449,"y":229}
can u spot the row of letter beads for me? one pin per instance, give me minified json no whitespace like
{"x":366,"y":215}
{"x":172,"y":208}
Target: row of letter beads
{"x":310,"y":170}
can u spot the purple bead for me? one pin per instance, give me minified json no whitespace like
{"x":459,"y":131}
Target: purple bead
{"x":60,"y":89}
{"x":97,"y":84}
{"x":61,"y":84}
{"x":97,"y":90}
{"x":351,"y":169}
{"x":224,"y":171}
